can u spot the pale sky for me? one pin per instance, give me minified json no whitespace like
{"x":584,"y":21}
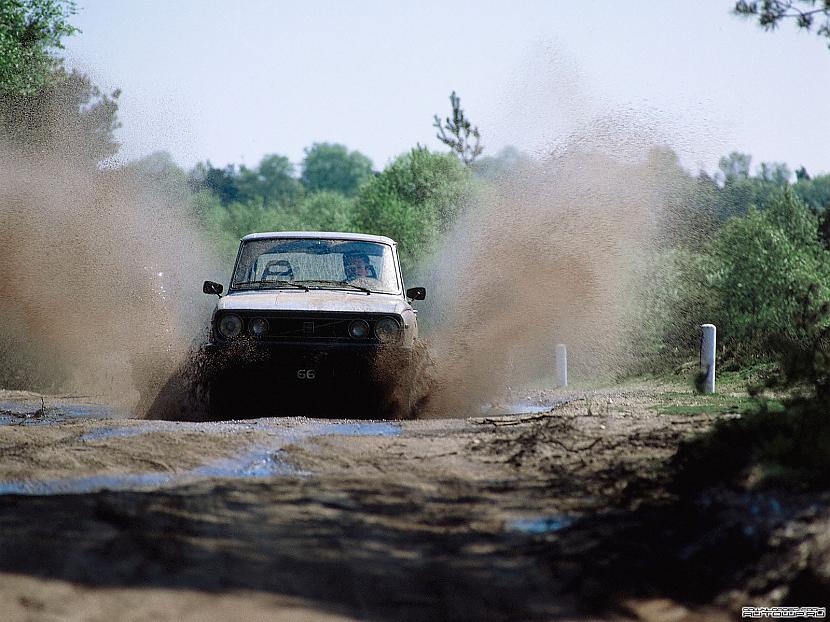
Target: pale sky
{"x":232,"y":81}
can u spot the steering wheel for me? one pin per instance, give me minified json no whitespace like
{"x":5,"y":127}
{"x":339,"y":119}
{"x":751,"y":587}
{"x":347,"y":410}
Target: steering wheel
{"x":278,"y":269}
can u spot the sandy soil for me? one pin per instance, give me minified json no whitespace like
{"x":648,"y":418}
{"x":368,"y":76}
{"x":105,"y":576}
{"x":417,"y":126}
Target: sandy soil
{"x":568,"y":514}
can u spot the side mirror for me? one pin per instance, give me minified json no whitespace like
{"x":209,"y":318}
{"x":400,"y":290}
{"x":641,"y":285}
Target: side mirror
{"x":212,"y":288}
{"x":416,"y":293}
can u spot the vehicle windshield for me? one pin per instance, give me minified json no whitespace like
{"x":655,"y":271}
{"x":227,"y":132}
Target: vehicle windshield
{"x":316,"y":264}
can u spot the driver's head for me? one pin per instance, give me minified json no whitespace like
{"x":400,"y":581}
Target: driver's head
{"x":356,"y":265}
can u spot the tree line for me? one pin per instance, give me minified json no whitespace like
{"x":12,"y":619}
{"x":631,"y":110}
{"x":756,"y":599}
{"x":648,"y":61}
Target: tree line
{"x":413,"y":199}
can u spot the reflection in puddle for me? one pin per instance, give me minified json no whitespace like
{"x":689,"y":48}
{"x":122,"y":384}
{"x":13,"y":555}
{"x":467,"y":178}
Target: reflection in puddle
{"x":546,"y":524}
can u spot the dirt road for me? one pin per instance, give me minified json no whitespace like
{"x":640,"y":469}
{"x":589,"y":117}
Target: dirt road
{"x":567,"y":513}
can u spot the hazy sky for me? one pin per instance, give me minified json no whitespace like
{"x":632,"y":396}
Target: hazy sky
{"x":232,"y":81}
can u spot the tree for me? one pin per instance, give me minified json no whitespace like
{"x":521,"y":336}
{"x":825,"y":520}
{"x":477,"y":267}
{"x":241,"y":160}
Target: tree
{"x":333,"y":167}
{"x":272,"y":181}
{"x":805,"y":13}
{"x":414,"y":200}
{"x":43,"y":106}
{"x":326,"y":211}
{"x":815,"y":192}
{"x":69,"y":116}
{"x":777,"y":173}
{"x":757,"y":268}
{"x":30,"y":30}
{"x":222,"y":182}
{"x":735,"y":166}
{"x":458,"y":133}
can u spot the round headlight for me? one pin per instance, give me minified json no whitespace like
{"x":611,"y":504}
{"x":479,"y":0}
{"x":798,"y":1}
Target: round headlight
{"x":230,"y":326}
{"x":258,"y":327}
{"x":387,"y":329}
{"x":359,"y":329}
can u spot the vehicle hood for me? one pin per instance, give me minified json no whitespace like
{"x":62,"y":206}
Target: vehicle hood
{"x":313,"y":300}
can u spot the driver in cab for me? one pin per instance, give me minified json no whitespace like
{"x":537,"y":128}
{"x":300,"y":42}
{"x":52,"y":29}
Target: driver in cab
{"x":359,"y":270}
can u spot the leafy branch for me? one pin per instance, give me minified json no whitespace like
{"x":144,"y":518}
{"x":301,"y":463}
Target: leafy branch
{"x":770,"y":13}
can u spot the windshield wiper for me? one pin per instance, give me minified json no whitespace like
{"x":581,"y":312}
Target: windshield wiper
{"x":338,"y":283}
{"x":268,"y":283}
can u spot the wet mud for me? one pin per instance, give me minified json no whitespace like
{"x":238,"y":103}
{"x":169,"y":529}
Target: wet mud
{"x":564,"y":514}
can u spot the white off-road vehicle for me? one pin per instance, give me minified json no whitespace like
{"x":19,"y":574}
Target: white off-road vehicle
{"x":315,"y":319}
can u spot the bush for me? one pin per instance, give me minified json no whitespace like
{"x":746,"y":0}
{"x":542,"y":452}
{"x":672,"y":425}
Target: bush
{"x":326,"y":211}
{"x":751,"y":280}
{"x":756,"y":271}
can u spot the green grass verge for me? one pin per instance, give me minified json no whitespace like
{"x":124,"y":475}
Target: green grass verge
{"x":690,"y":403}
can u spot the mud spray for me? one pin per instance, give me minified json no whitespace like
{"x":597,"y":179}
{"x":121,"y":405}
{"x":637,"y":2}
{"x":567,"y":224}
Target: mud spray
{"x":100,"y":278}
{"x":556,"y":252}
{"x":100,"y":273}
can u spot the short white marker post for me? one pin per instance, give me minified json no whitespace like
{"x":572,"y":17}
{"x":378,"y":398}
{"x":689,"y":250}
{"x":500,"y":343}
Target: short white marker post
{"x":707,"y":356}
{"x":562,"y":365}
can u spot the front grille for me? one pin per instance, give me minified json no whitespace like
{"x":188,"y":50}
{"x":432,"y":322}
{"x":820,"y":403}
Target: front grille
{"x":307,"y":328}
{"x":323,"y":327}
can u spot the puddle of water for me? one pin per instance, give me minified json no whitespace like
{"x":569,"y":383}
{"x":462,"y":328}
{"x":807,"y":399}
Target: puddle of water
{"x":147,"y":427}
{"x":520,"y":408}
{"x":83,"y":485}
{"x":90,"y":411}
{"x":256,"y":462}
{"x":260,"y":460}
{"x":105,"y":433}
{"x":545,"y":524}
{"x":360,"y":429}
{"x":17,"y":413}
{"x":27,"y":420}
{"x":283,"y":436}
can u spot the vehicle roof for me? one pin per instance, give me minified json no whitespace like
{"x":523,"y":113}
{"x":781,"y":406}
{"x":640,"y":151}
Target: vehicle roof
{"x":324,"y":235}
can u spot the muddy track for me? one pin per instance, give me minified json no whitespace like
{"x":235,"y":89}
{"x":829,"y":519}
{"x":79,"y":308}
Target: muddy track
{"x":560,"y":515}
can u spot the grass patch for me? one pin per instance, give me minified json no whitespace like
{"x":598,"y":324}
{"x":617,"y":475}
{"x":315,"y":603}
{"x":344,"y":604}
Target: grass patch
{"x":697,"y":409}
{"x":678,"y":403}
{"x":753,"y":376}
{"x":729,"y":378}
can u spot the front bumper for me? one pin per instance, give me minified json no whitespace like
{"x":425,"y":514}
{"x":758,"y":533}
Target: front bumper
{"x":306,"y":364}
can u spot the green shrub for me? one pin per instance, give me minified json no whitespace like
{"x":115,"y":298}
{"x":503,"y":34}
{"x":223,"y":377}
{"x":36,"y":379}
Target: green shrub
{"x":326,"y":211}
{"x":757,"y":270}
{"x":414,"y":200}
{"x":751,"y":280}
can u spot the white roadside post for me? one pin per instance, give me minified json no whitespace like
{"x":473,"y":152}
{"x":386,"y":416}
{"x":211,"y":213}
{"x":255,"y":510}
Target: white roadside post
{"x":562,"y":365}
{"x":707,"y":356}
